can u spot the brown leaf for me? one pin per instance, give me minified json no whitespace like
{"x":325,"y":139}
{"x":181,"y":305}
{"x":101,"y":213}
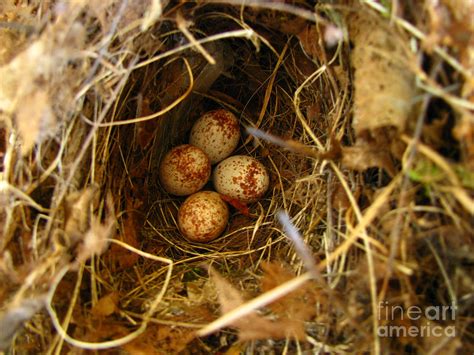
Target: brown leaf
{"x":252,"y":326}
{"x":296,"y":307}
{"x":229,"y":297}
{"x":120,"y":257}
{"x":384,"y":84}
{"x":106,"y":306}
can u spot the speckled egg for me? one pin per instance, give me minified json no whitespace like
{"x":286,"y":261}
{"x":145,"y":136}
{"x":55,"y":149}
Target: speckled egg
{"x":184,"y":170}
{"x":203,"y":216}
{"x":241,"y":177}
{"x":217,"y":133}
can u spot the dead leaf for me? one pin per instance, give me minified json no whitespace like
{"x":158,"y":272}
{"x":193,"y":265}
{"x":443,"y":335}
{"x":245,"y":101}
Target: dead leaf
{"x":296,"y":307}
{"x":118,"y":256}
{"x":384,"y":84}
{"x":252,"y":326}
{"x":106,"y":305}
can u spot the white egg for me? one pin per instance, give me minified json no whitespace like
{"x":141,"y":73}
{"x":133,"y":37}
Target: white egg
{"x":217,"y":133}
{"x":184,"y":170}
{"x":203,"y":216}
{"x":242,"y":178}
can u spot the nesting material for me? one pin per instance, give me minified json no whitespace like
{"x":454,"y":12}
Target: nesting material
{"x":352,"y":109}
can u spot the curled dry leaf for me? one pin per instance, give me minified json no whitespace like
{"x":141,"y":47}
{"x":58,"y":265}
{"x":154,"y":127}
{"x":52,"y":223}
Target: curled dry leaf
{"x":254,"y":326}
{"x":384,"y":84}
{"x":251,"y":327}
{"x":296,"y":307}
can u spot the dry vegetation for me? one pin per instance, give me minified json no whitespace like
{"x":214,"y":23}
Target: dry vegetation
{"x":362,"y":111}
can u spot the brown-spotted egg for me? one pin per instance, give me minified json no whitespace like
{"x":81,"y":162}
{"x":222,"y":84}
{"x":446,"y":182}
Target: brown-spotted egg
{"x":184,"y":170}
{"x":203,"y":216}
{"x":241,"y":177}
{"x":217,"y":133}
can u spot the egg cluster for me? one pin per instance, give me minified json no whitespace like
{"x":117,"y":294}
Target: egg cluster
{"x":185,"y":170}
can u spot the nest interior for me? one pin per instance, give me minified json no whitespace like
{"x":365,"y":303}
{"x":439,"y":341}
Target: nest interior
{"x":363,"y":126}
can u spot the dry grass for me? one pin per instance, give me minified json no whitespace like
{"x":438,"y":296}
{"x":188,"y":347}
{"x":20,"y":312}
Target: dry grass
{"x":362,"y":113}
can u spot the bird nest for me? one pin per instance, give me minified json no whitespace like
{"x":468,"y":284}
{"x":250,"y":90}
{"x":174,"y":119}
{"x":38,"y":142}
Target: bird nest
{"x":362,"y":115}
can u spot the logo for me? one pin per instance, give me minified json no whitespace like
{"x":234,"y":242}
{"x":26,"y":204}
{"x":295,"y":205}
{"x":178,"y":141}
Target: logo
{"x":415,"y":321}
